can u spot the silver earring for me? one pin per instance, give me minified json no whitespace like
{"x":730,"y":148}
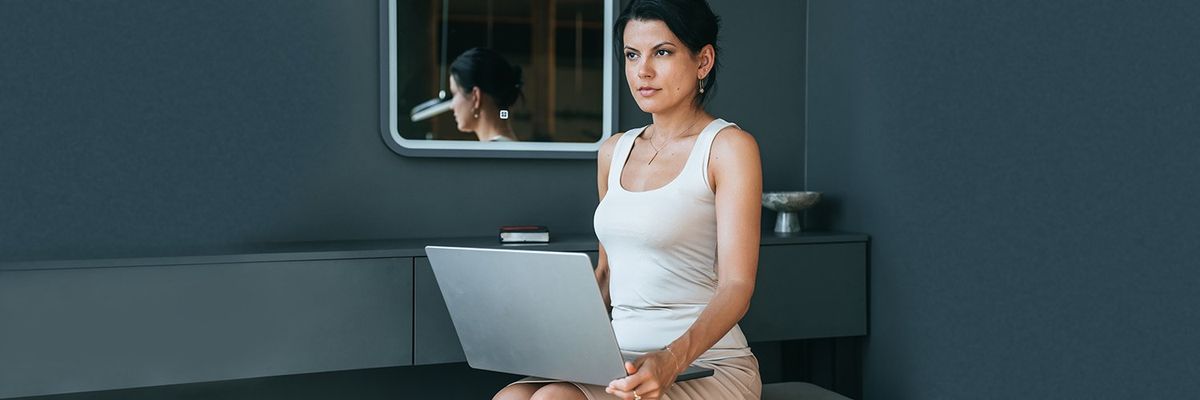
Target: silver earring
{"x":701,"y":86}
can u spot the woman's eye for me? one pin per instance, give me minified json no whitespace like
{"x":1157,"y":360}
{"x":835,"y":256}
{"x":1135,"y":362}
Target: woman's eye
{"x":630,"y":55}
{"x":663,"y":52}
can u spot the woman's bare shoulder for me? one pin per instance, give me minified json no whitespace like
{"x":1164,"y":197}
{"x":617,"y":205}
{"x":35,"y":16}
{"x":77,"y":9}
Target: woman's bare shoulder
{"x":611,"y":141}
{"x":732,"y":141}
{"x":606,"y":148}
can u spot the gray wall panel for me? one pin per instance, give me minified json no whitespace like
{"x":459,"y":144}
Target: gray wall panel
{"x":140,"y":126}
{"x":1027,"y":172}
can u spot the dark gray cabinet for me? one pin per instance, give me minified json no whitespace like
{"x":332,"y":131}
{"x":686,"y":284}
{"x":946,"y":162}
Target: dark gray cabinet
{"x":69,"y":330}
{"x":807,"y":291}
{"x":110,"y":323}
{"x":434,"y":338}
{"x":803,"y":291}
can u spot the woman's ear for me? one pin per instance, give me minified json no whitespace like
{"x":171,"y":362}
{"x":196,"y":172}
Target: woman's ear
{"x":707,"y":56}
{"x":475,"y":93}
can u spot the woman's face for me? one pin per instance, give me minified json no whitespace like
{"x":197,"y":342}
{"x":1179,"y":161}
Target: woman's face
{"x":662,"y":73}
{"x":463,"y":104}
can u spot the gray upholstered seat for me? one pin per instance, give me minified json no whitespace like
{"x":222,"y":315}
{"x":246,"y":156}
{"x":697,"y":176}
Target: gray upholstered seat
{"x":798,"y":391}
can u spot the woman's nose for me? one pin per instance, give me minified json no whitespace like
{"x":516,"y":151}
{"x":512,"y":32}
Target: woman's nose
{"x":644,"y":71}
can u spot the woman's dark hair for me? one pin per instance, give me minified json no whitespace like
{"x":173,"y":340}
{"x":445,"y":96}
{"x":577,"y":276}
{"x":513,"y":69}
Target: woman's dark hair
{"x":490,"y":72}
{"x":693,"y":21}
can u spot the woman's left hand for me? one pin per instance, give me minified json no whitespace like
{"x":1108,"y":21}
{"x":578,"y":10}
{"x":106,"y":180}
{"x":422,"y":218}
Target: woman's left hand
{"x":649,"y":377}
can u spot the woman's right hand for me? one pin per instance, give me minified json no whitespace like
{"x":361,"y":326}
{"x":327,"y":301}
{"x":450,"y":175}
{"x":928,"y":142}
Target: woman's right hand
{"x":649,"y":377}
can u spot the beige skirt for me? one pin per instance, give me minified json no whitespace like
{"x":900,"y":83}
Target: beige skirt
{"x":733,"y":379}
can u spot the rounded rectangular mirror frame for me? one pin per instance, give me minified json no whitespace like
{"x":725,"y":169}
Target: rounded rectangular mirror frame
{"x":473,"y":149}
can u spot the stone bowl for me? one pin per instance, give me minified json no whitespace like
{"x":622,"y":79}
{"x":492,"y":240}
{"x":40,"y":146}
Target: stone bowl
{"x":787,"y":204}
{"x":790,"y":201}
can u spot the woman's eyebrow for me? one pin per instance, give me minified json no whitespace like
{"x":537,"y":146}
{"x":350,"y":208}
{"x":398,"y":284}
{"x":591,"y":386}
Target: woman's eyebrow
{"x":652,"y":48}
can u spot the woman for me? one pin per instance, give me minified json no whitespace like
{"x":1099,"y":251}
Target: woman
{"x":678,"y":221}
{"x":484,"y":83}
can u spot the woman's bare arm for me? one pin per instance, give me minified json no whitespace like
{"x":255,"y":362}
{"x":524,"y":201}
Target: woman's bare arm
{"x":603,"y":160}
{"x":735,"y":171}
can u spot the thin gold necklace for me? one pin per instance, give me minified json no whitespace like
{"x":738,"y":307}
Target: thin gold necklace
{"x":657,"y":149}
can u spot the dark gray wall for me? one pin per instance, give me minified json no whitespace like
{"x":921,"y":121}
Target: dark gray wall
{"x":154,"y":127}
{"x":765,"y":98}
{"x":1027,"y":172}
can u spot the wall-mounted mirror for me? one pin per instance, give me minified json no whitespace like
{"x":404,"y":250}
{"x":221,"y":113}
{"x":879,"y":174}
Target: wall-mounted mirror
{"x":497,"y":78}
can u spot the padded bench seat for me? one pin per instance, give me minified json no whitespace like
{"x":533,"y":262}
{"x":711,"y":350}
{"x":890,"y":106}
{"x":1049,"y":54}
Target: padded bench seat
{"x":798,"y":391}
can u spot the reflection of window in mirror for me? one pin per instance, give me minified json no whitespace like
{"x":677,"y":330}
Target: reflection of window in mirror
{"x":558,"y":46}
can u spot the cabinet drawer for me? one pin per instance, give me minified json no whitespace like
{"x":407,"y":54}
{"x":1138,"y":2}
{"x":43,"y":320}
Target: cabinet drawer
{"x":809,"y":291}
{"x":434,"y":338}
{"x":69,"y":330}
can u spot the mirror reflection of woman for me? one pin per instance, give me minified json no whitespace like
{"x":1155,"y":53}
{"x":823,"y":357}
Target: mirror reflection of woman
{"x":678,"y":221}
{"x":483,"y":84}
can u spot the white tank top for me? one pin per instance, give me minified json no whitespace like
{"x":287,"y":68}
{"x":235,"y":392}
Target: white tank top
{"x":662,"y":252}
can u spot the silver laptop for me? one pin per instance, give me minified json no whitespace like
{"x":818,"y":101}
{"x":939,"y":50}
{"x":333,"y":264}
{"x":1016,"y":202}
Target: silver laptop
{"x":536,"y":313}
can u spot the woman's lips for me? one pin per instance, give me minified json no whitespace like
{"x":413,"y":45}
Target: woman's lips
{"x":647,"y":91}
